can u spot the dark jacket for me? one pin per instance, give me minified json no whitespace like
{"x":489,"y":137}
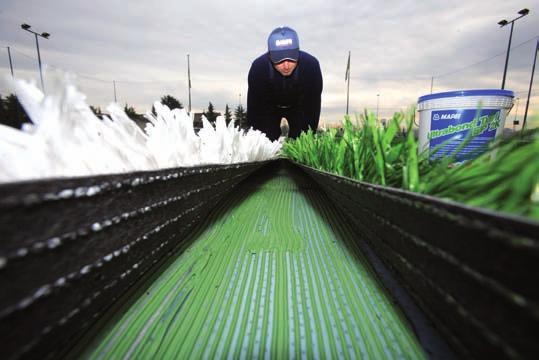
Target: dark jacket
{"x":296,"y":97}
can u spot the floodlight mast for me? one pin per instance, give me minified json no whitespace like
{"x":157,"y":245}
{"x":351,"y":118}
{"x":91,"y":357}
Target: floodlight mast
{"x":44,"y":35}
{"x":502,"y":23}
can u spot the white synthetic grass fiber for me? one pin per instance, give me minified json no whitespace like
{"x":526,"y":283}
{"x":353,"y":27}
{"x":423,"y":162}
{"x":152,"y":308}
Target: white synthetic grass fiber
{"x":66,"y":139}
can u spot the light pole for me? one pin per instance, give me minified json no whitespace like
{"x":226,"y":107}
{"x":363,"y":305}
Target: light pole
{"x":10,"y":62}
{"x":114,"y":86}
{"x":44,"y":35}
{"x":347,"y":79}
{"x":189,"y":81}
{"x":377,"y":105}
{"x":502,"y":23}
{"x":531,"y":83}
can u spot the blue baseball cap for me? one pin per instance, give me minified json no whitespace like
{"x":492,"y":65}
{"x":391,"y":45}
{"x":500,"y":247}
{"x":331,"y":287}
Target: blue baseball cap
{"x":283,"y":44}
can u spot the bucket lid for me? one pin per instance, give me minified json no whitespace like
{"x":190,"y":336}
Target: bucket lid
{"x":457,"y":93}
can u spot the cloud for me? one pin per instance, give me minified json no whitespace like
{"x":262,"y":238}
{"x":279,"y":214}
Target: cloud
{"x":397,"y":46}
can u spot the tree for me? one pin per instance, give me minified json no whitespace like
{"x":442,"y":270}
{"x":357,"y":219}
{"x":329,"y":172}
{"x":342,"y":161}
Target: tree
{"x":3,"y":114}
{"x":228,"y":114}
{"x":130,"y":111}
{"x":170,"y":101}
{"x":210,"y":114}
{"x":12,"y":113}
{"x":240,"y":116}
{"x":97,"y":111}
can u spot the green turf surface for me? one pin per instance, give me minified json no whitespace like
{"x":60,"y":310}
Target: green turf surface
{"x":272,"y":273}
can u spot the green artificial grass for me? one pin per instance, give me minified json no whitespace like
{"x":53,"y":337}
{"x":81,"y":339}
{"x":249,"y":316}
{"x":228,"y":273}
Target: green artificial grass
{"x":274,"y":272}
{"x":503,"y":178}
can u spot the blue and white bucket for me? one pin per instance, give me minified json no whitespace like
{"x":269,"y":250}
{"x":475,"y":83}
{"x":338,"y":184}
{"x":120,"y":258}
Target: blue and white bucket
{"x":446,"y":119}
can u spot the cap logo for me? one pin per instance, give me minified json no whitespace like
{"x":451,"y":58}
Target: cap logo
{"x":283,"y":42}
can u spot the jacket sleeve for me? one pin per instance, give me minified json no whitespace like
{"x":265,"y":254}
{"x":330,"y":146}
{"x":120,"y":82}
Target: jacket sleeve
{"x":257,"y":98}
{"x":312,"y":96}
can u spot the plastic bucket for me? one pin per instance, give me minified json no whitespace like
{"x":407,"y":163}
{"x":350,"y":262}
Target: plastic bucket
{"x":446,"y":120}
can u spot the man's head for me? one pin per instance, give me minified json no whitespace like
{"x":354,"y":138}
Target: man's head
{"x":283,"y":47}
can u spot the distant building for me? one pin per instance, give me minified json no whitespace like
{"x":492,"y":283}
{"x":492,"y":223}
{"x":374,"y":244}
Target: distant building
{"x":197,"y":122}
{"x":139,"y":119}
{"x":507,"y":133}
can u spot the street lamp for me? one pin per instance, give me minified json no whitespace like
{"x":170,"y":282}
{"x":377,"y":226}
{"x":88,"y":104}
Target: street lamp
{"x":44,"y":35}
{"x":502,"y":23}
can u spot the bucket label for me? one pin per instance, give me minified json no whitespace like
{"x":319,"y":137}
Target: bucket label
{"x":450,"y":128}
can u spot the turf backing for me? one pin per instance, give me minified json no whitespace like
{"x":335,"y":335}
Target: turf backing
{"x":273,"y":272}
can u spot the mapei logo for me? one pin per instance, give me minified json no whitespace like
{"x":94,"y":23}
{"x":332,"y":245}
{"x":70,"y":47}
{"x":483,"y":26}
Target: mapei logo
{"x":283,"y":42}
{"x":455,"y":116}
{"x":450,"y":116}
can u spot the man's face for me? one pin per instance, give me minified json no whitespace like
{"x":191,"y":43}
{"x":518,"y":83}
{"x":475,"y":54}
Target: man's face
{"x":286,"y":67}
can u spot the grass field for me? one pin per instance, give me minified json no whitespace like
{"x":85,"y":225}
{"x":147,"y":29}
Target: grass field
{"x":503,"y":178}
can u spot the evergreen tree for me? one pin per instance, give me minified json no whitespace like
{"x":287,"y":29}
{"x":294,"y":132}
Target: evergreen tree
{"x":170,"y":101}
{"x":130,"y":111}
{"x":210,"y":114}
{"x":228,"y":114}
{"x":2,"y":110}
{"x":240,"y":116}
{"x":12,"y":113}
{"x":97,"y":111}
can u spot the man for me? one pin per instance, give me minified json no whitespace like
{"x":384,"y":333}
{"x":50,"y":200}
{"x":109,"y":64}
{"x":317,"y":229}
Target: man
{"x":284,"y":83}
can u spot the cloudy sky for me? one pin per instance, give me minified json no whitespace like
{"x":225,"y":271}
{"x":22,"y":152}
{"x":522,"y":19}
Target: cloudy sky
{"x":396,"y":46}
